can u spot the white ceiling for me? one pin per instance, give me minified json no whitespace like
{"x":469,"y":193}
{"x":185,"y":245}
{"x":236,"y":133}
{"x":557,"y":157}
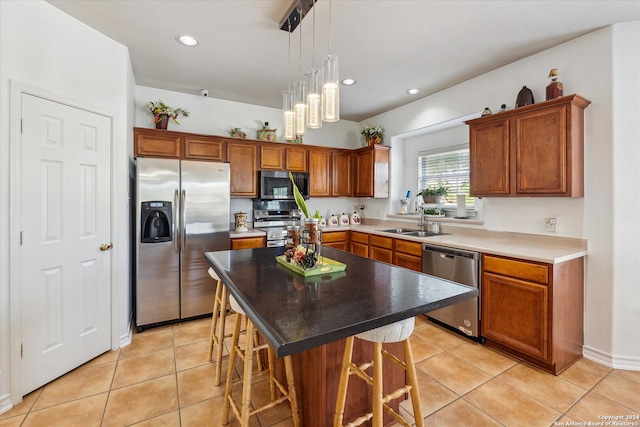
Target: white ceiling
{"x":388,"y":46}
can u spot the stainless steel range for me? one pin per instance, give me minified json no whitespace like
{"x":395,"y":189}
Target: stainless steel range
{"x":273,"y":217}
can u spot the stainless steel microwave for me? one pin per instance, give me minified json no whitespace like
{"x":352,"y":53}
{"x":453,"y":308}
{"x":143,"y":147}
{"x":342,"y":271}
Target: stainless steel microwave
{"x":276,"y":185}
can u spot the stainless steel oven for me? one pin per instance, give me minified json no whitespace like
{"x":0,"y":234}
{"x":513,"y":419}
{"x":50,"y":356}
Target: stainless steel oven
{"x":273,"y":217}
{"x":458,"y":266}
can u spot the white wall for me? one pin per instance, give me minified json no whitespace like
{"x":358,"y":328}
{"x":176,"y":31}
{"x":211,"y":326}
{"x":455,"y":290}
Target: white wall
{"x":213,"y":116}
{"x":603,"y":67}
{"x":43,"y":47}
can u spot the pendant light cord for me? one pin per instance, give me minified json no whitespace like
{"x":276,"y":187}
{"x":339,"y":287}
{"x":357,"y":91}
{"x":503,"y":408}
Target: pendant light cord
{"x":289,"y":67}
{"x":330,"y":27}
{"x":300,"y":26}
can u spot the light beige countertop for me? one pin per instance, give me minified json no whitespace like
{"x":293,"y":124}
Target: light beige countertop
{"x":532,"y":247}
{"x":251,"y":232}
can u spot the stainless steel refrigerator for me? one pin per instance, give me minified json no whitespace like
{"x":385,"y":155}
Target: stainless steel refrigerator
{"x":182,"y":211}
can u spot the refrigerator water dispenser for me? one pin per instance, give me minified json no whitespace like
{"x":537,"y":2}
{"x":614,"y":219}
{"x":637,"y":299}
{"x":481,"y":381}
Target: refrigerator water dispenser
{"x":155,"y":218}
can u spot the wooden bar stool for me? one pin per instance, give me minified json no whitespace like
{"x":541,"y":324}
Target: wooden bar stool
{"x":395,"y":332}
{"x":243,"y":411}
{"x":218,"y":320}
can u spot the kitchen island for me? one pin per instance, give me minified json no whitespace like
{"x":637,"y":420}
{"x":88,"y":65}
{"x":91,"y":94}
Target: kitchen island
{"x":309,"y":317}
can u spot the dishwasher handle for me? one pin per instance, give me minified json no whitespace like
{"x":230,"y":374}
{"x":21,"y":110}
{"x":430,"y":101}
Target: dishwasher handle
{"x":450,"y":253}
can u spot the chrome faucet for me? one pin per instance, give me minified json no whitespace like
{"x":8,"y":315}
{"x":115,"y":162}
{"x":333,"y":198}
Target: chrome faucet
{"x":422,"y":224}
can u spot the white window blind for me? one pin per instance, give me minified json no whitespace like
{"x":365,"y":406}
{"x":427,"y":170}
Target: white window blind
{"x":448,"y":168}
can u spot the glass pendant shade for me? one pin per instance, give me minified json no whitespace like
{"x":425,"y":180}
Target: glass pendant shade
{"x":314,"y":111}
{"x":300,"y":108}
{"x":330,"y":90}
{"x":287,"y":114}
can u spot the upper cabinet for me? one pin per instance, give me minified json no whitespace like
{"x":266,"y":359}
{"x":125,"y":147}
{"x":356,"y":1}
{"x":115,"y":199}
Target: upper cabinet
{"x":537,"y":150}
{"x":334,"y":172}
{"x":372,"y":171}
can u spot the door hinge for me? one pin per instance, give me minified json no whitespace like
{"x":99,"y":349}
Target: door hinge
{"x":21,"y":125}
{"x":22,"y":350}
{"x":21,"y":237}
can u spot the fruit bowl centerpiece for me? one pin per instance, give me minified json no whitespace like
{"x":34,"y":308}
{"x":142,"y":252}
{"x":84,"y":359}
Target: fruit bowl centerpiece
{"x":306,"y":262}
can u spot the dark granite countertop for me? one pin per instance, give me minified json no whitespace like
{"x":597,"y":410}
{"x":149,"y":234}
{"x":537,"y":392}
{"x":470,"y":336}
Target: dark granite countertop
{"x":295,"y":313}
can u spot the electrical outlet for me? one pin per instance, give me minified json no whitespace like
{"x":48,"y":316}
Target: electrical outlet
{"x":551,"y":224}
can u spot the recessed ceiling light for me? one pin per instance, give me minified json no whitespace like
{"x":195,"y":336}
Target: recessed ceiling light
{"x":413,"y":91}
{"x":348,"y":82}
{"x":187,"y":40}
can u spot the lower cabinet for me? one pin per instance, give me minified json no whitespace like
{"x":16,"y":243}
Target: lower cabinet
{"x":359,"y":244}
{"x":336,"y":239}
{"x":248,"y":242}
{"x":534,"y":311}
{"x":381,"y":248}
{"x":408,"y":254}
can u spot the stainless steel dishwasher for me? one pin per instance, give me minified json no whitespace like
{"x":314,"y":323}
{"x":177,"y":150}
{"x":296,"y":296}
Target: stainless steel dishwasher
{"x":458,"y":266}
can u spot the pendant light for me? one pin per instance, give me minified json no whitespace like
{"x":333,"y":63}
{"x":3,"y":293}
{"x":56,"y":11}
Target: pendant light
{"x":300,"y":98}
{"x":330,"y":87}
{"x":287,"y":101}
{"x":314,"y":86}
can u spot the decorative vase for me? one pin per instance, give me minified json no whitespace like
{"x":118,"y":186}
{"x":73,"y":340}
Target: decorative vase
{"x":525,"y":97}
{"x":354,"y":219}
{"x":237,"y":133}
{"x":266,"y":134}
{"x":163,"y":123}
{"x":370,"y":140}
{"x":554,"y":89}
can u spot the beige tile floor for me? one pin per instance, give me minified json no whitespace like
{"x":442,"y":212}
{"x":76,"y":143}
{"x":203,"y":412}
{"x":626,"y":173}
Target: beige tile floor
{"x":164,"y":380}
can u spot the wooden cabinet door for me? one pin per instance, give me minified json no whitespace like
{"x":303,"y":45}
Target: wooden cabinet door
{"x":361,"y":249}
{"x":489,"y":159}
{"x":295,"y":159}
{"x":248,"y":242}
{"x":381,"y":248}
{"x":372,"y":172}
{"x":203,"y":149}
{"x":156,"y":143}
{"x":271,"y":157}
{"x":243,"y":166}
{"x":541,"y":152}
{"x":515,"y":313}
{"x":341,"y":174}
{"x":319,"y":163}
{"x":408,"y":254}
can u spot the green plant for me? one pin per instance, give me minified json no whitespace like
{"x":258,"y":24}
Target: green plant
{"x":297,"y":196}
{"x":159,"y":109}
{"x":433,"y":211}
{"x":372,"y":132}
{"x":434,"y":191}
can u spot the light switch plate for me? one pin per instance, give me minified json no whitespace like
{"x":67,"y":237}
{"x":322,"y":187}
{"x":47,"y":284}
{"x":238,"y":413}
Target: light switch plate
{"x":551,"y":224}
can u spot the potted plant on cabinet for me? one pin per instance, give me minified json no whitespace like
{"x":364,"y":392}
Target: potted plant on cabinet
{"x":433,"y":194}
{"x":161,"y":113}
{"x":370,"y":135}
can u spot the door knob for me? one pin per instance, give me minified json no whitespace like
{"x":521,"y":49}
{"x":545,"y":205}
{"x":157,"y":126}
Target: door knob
{"x":105,"y":247}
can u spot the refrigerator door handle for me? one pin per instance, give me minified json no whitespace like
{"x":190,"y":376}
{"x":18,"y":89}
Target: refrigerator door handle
{"x":183,"y":219}
{"x":176,"y":234}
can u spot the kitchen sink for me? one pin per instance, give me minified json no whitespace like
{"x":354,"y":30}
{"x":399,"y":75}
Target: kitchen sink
{"x":412,"y":232}
{"x":400,"y":230}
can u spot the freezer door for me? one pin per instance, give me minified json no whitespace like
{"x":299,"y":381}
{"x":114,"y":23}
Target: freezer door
{"x":205,"y":198}
{"x":157,"y":273}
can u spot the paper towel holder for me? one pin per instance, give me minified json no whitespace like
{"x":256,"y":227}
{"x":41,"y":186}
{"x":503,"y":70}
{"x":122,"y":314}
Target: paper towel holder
{"x":461,"y":205}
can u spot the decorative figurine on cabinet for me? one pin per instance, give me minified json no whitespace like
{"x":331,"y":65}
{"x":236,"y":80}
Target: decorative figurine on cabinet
{"x":525,"y":97}
{"x":554,"y":89}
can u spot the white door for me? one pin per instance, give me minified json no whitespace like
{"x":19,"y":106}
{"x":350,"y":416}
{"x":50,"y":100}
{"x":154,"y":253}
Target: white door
{"x":65,"y":214}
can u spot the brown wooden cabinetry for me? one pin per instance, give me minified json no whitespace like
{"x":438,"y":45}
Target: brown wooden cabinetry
{"x":276,"y":156}
{"x":534,"y":310}
{"x":242,"y":159}
{"x":537,"y":150}
{"x":336,"y":239}
{"x":319,"y":163}
{"x":359,"y":244}
{"x":156,"y":143}
{"x":271,"y":157}
{"x":248,"y":242}
{"x":341,"y":173}
{"x":372,"y":171}
{"x":408,"y":254}
{"x":295,"y":159}
{"x":204,"y":148}
{"x":381,"y":248}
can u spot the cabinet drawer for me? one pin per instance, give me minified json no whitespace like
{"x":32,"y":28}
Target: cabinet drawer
{"x":518,"y":269}
{"x":381,"y":242}
{"x":248,"y":242}
{"x":358,"y":237}
{"x":334,"y":236}
{"x":409,"y":247}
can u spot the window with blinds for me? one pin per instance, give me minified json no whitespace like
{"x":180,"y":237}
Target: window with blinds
{"x":448,"y":168}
